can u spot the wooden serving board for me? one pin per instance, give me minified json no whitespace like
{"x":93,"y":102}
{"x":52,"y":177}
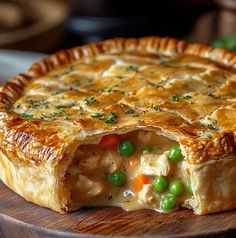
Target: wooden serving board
{"x":19,"y":218}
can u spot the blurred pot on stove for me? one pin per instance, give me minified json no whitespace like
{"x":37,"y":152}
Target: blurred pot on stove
{"x":93,"y":20}
{"x":32,"y":25}
{"x":226,"y":17}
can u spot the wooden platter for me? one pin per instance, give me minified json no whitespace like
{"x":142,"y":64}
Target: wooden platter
{"x":19,"y":218}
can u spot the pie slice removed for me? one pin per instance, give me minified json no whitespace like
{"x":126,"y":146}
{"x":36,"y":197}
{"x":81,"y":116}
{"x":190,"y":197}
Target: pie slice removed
{"x":135,"y":123}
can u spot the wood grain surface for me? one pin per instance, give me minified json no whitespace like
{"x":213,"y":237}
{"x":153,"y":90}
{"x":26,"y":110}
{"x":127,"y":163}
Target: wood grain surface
{"x":19,"y":218}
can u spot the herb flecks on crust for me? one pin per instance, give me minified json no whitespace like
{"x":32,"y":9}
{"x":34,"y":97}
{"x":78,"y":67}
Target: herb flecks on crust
{"x":111,"y":118}
{"x":149,"y":86}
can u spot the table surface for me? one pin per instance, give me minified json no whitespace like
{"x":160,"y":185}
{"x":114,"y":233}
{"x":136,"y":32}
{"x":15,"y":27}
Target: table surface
{"x":19,"y":218}
{"x":13,"y":62}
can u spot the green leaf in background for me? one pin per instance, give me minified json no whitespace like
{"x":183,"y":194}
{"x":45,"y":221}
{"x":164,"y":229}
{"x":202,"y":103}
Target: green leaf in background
{"x":228,"y":42}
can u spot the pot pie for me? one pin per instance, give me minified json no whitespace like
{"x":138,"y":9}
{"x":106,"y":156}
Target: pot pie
{"x":136,"y":123}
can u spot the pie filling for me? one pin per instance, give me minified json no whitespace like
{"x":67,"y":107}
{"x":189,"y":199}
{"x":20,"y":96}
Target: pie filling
{"x":139,"y":169}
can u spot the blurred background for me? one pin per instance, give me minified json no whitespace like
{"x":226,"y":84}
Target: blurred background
{"x":49,"y":25}
{"x":45,"y":26}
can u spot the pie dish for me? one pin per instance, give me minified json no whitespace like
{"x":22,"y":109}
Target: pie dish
{"x":136,"y":123}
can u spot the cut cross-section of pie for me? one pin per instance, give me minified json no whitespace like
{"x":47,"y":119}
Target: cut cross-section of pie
{"x":135,"y":123}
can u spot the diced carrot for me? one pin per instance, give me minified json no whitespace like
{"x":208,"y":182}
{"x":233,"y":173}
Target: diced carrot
{"x":139,"y":181}
{"x":132,"y":163}
{"x":109,"y":141}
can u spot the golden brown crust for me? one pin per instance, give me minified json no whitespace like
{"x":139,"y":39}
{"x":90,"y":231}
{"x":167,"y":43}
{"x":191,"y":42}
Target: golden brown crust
{"x":213,"y":185}
{"x":23,"y":133}
{"x":184,"y":91}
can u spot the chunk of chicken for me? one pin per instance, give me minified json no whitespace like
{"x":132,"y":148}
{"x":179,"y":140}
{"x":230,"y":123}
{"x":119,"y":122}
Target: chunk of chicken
{"x":146,"y":196}
{"x":111,"y":161}
{"x":89,"y":187}
{"x":108,"y":161}
{"x":155,"y":165}
{"x":89,"y":163}
{"x":145,"y":137}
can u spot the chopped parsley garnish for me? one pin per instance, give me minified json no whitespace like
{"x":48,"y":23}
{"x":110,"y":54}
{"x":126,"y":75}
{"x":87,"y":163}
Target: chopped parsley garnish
{"x":58,"y":113}
{"x":90,"y":100}
{"x":145,"y":111}
{"x":97,"y":115}
{"x":18,"y":105}
{"x":26,"y":115}
{"x":89,"y":82}
{"x":212,"y":95}
{"x":120,"y":77}
{"x":206,"y":135}
{"x":66,"y":116}
{"x":37,"y":103}
{"x":132,"y":68}
{"x":69,"y":105}
{"x":52,"y":116}
{"x":46,"y":117}
{"x":128,"y":111}
{"x":112,"y":117}
{"x":136,"y":115}
{"x":156,"y":84}
{"x":61,"y":90}
{"x":211,"y":127}
{"x":156,"y":108}
{"x":175,"y":98}
{"x":187,"y":97}
{"x":107,"y":90}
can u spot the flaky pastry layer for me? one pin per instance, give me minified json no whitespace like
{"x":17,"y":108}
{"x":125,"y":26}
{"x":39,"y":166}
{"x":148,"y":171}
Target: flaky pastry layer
{"x":184,"y":91}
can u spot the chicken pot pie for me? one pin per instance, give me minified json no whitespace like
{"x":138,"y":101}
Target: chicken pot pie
{"x":135,"y":123}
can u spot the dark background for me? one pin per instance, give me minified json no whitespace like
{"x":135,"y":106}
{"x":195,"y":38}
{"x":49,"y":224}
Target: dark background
{"x":50,"y":25}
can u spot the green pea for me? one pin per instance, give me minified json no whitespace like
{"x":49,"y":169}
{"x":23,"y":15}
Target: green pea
{"x":177,"y":188}
{"x":127,"y":148}
{"x":189,"y":187}
{"x":117,"y":178}
{"x":168,"y":203}
{"x":160,"y":184}
{"x":175,"y":154}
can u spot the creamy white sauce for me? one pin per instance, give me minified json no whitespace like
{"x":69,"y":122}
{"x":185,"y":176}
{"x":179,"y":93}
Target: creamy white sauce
{"x":87,"y":176}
